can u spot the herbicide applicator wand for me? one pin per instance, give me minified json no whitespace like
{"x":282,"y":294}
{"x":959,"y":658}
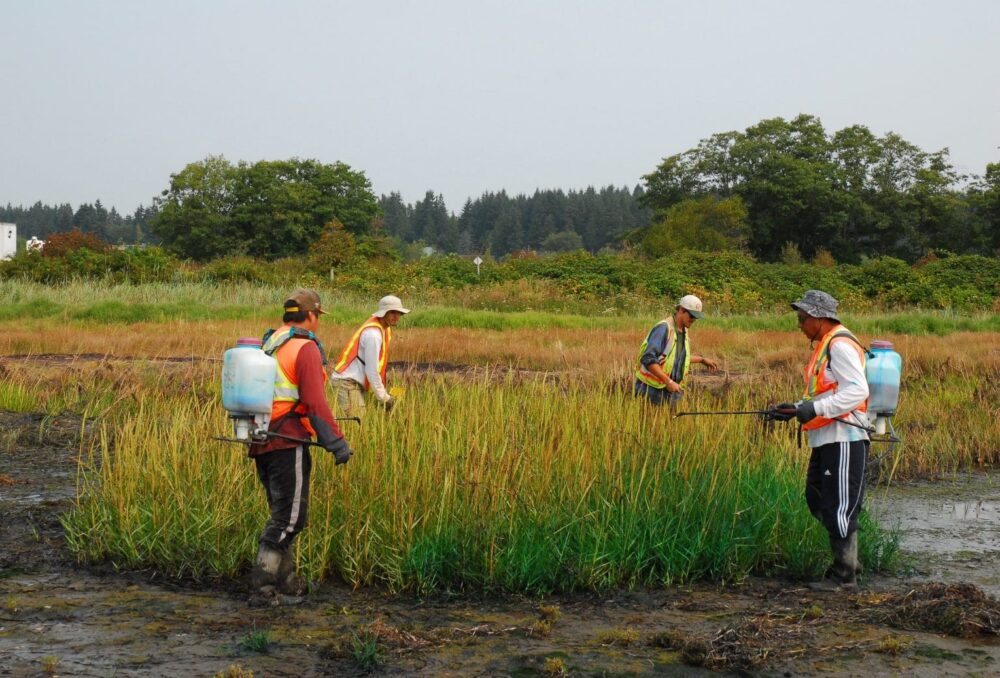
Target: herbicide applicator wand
{"x":882,"y":372}
{"x":248,"y":376}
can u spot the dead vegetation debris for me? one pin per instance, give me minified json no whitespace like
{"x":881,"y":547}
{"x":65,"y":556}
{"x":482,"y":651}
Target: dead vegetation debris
{"x":961,"y":610}
{"x":753,"y":642}
{"x":747,"y":645}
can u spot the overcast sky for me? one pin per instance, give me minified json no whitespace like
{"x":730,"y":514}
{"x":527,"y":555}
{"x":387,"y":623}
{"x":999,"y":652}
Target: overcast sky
{"x":107,"y":99}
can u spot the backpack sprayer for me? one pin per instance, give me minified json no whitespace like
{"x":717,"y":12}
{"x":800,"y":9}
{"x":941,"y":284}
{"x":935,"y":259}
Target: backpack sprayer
{"x":882,"y":371}
{"x":248,"y":376}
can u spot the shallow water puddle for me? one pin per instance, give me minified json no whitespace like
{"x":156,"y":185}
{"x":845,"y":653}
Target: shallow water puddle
{"x":950,"y":529}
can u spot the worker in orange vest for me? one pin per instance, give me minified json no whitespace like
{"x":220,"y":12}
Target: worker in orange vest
{"x":833,"y":411}
{"x":300,"y":410}
{"x":362,"y":364}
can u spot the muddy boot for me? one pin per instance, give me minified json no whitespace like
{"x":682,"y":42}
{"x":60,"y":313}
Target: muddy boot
{"x":852,"y":553}
{"x":265,"y":570}
{"x":289,"y":583}
{"x":841,"y":574}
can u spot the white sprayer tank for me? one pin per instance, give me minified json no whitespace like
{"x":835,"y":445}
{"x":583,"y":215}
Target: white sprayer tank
{"x":883,"y":372}
{"x":248,"y":376}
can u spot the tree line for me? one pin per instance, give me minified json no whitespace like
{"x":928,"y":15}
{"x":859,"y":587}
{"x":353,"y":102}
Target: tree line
{"x":784,"y":184}
{"x":43,"y":221}
{"x":779,"y":189}
{"x":497,"y":223}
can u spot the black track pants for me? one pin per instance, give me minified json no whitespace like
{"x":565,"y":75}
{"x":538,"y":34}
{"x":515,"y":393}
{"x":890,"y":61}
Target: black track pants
{"x":285,"y":477}
{"x":835,"y":485}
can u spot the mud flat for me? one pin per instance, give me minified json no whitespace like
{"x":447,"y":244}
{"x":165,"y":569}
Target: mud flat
{"x":57,"y":618}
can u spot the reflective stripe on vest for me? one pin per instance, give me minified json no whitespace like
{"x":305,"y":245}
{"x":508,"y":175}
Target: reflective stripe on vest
{"x":350,"y":351}
{"x":647,"y":377}
{"x":285,"y":350}
{"x":815,"y":375}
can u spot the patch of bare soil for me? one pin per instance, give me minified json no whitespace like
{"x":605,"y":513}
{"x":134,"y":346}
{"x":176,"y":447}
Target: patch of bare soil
{"x":61,"y":619}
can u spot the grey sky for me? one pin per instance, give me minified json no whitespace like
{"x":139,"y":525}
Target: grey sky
{"x":107,"y":99}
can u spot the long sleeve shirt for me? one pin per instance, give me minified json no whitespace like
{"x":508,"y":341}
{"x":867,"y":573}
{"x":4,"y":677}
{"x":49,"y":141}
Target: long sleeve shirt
{"x":845,"y":368}
{"x":366,"y":364}
{"x":657,"y":345}
{"x":312,"y":395}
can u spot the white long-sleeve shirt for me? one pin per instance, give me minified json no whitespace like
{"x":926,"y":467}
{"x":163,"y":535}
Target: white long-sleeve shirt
{"x":845,"y":368}
{"x":366,"y":364}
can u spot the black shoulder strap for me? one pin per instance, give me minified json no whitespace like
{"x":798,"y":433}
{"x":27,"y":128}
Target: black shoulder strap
{"x":849,"y":335}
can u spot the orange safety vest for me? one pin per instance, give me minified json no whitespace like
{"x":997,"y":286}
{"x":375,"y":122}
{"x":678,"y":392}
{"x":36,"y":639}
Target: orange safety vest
{"x":350,"y":351}
{"x":815,"y":374}
{"x":286,"y":384}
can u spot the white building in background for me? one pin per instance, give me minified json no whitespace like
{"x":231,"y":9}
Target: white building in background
{"x":8,"y":240}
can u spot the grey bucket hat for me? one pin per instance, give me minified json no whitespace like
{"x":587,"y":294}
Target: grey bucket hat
{"x":818,"y":304}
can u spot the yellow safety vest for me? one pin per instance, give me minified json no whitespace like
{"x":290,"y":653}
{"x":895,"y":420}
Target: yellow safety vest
{"x":647,"y":377}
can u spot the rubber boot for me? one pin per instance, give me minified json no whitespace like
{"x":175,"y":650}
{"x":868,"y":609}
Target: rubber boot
{"x":840,"y":575}
{"x":264,"y":576}
{"x":852,"y":553}
{"x":289,"y":583}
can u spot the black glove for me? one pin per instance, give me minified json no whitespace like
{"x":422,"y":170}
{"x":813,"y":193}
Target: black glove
{"x":781,"y":412}
{"x":805,"y":411}
{"x":388,"y":403}
{"x":340,"y":450}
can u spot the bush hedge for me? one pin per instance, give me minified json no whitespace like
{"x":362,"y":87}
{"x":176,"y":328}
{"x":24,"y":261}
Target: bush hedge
{"x":575,"y":281}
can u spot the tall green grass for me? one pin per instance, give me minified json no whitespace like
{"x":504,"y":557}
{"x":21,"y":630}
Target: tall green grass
{"x":476,"y":486}
{"x":105,"y":303}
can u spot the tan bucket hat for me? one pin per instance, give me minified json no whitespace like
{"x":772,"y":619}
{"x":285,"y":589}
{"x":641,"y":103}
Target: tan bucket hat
{"x":389,"y":303}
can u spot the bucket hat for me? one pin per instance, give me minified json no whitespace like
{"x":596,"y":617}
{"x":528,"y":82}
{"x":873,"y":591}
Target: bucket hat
{"x":818,"y":304}
{"x":389,"y":303}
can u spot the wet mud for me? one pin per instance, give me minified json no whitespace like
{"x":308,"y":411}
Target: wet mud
{"x":949,"y":529}
{"x":59,"y":618}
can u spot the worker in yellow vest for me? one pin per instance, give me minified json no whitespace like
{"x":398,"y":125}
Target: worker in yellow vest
{"x":665,"y":356}
{"x":833,"y":411}
{"x":362,"y":364}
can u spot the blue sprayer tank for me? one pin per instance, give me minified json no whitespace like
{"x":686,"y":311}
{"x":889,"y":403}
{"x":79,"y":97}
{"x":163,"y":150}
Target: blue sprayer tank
{"x":883,"y":371}
{"x":248,"y":376}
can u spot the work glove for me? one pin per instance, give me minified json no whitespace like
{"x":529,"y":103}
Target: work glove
{"x":340,"y":450}
{"x":388,"y":403}
{"x":805,"y":411}
{"x":782,"y":412}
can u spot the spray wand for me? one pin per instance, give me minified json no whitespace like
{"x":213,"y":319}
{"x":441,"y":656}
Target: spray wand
{"x":769,"y":414}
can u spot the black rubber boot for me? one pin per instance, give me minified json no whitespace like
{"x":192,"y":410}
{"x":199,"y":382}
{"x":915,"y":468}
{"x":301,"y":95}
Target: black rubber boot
{"x":852,"y":553}
{"x":840,"y":575}
{"x":264,"y":575}
{"x":289,"y":583}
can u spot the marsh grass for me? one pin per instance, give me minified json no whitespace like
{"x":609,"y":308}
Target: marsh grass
{"x":106,"y":303}
{"x":490,"y":485}
{"x":367,"y":650}
{"x":536,"y":471}
{"x":257,"y":641}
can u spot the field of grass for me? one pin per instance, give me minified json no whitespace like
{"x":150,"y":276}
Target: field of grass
{"x":89,"y":302}
{"x":532,"y":470}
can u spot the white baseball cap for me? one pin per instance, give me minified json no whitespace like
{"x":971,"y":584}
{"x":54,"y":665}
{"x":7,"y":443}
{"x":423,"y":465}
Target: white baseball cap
{"x":692,"y":305}
{"x":389,"y":303}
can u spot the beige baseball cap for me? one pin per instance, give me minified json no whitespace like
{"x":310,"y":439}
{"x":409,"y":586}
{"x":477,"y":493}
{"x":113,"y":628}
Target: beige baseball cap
{"x":692,"y":305}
